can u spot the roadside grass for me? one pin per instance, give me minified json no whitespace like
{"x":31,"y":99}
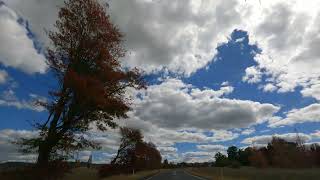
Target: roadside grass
{"x":250,"y":173}
{"x":83,"y":173}
{"x":139,"y":175}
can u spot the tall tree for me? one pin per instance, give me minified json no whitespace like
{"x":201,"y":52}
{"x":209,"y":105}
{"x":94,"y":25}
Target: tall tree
{"x":85,"y":59}
{"x":232,"y":153}
{"x":130,"y":137}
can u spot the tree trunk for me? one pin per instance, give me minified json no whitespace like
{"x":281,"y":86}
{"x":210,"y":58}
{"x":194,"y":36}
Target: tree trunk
{"x":44,"y":154}
{"x":45,"y":148}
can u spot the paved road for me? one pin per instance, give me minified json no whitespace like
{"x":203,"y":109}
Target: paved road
{"x":174,"y":175}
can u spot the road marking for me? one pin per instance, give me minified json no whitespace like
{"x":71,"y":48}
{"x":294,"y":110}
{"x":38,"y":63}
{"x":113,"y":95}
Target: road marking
{"x":174,"y":173}
{"x":153,"y":175}
{"x":194,"y":176}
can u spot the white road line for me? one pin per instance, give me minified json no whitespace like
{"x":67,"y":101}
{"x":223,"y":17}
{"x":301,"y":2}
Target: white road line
{"x":194,"y":176}
{"x":153,"y":175}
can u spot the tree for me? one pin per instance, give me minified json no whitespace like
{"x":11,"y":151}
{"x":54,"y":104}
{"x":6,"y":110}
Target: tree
{"x":165,"y":163}
{"x":129,"y":138}
{"x":232,"y":153}
{"x":244,"y":156}
{"x":221,"y":160}
{"x":134,"y":154}
{"x":85,"y":59}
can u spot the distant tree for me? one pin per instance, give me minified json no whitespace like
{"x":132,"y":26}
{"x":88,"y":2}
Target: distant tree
{"x":221,"y":160}
{"x":232,"y":152}
{"x":146,"y":156}
{"x":130,"y":137}
{"x":165,"y":163}
{"x":244,"y":156}
{"x":85,"y":59}
{"x":284,"y":154}
{"x":134,"y":154}
{"x":258,"y":159}
{"x":315,"y":153}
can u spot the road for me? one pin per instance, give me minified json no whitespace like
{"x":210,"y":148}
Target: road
{"x":174,"y":175}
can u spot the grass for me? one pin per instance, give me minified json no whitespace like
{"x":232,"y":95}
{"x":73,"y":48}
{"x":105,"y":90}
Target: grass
{"x":83,"y":173}
{"x":250,"y":173}
{"x":138,"y":175}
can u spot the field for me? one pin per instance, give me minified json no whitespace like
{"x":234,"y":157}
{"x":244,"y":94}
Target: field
{"x":249,"y":173}
{"x":83,"y":173}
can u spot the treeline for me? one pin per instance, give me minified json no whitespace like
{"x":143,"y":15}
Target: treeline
{"x":278,"y":153}
{"x":133,"y":155}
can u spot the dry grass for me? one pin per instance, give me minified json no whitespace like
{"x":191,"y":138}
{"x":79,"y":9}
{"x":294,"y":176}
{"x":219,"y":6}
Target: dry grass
{"x":249,"y":173}
{"x":138,"y":175}
{"x":83,"y":173}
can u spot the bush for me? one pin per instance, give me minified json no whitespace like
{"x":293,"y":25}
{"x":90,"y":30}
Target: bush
{"x":109,"y":170}
{"x":56,"y":170}
{"x":235,"y":164}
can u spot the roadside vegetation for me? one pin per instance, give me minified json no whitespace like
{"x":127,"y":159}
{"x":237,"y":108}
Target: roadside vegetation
{"x":252,"y":173}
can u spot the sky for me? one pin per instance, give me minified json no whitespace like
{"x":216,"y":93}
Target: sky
{"x":219,"y":73}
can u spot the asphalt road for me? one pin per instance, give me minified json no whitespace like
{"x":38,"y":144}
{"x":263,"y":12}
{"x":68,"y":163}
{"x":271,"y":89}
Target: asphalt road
{"x":174,"y":175}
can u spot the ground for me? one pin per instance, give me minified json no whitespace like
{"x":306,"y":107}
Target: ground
{"x":250,"y":173}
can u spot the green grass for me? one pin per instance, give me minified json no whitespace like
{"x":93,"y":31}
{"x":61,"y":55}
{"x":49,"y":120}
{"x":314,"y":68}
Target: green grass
{"x":250,"y":173}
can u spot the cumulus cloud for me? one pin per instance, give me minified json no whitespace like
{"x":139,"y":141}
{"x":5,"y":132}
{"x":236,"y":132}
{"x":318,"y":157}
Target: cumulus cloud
{"x":3,"y":76}
{"x":175,"y":105}
{"x":252,"y":75}
{"x":287,"y":33}
{"x":211,"y":147}
{"x":265,"y":139}
{"x":312,"y":91}
{"x":17,"y":49}
{"x":197,"y":156}
{"x":178,"y":36}
{"x":181,"y":37}
{"x":269,"y":88}
{"x":315,"y":134}
{"x":8,"y":98}
{"x":9,"y":151}
{"x":248,"y":131}
{"x":310,"y":113}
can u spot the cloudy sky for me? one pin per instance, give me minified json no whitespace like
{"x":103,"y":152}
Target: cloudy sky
{"x":220,"y":73}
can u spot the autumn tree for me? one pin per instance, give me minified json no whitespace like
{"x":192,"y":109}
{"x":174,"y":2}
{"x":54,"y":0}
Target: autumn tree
{"x":134,"y":154}
{"x":85,"y":58}
{"x":129,"y":138}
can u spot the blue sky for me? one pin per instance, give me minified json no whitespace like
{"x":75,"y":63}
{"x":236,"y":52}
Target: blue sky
{"x":209,"y":88}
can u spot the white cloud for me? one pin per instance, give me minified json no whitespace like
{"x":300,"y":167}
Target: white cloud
{"x":197,"y":156}
{"x":287,"y":32}
{"x":178,"y":36}
{"x":253,"y":75}
{"x":309,"y":113}
{"x":312,"y":91}
{"x":269,"y":87}
{"x":175,"y":105}
{"x":3,"y":76}
{"x":248,"y":131}
{"x":211,"y":147}
{"x":181,"y":37}
{"x":9,"y":151}
{"x":9,"y":99}
{"x":265,"y":139}
{"x":17,"y":49}
{"x":315,"y":134}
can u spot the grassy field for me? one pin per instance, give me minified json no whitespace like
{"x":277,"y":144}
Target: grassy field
{"x":85,"y":173}
{"x":248,"y":173}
